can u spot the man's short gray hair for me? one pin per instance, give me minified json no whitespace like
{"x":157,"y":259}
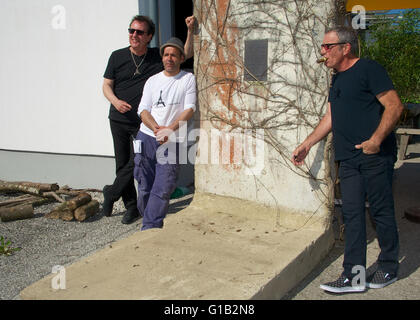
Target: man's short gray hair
{"x":348,"y":35}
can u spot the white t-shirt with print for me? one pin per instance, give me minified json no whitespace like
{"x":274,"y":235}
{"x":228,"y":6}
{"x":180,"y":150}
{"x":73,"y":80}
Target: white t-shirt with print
{"x":166,"y":98}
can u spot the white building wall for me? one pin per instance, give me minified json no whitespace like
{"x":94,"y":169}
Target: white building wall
{"x":52,"y":59}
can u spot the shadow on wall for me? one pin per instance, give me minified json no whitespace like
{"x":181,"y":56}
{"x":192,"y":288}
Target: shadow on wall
{"x":316,"y":166}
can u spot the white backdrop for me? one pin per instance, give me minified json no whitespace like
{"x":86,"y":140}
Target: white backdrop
{"x":52,"y":59}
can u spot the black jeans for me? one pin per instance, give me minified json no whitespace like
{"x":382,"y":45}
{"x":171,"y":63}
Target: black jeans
{"x":368,"y":176}
{"x":123,"y":186}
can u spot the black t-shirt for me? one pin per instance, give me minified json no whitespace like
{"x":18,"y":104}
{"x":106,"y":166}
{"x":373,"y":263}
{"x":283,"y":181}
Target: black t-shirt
{"x":355,"y":110}
{"x":127,"y":86}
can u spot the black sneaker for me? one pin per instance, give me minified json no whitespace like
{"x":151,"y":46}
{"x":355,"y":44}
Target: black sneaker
{"x":342,"y":285}
{"x":108,"y":204}
{"x":130,"y":216}
{"x":380,"y":279}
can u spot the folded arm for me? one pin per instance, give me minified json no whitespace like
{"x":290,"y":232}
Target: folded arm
{"x":149,"y":121}
{"x":163,"y":133}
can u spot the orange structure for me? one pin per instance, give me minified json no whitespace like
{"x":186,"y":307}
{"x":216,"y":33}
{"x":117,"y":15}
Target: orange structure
{"x":371,"y":5}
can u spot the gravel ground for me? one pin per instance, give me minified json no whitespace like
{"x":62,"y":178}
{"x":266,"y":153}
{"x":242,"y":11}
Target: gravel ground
{"x":46,"y":243}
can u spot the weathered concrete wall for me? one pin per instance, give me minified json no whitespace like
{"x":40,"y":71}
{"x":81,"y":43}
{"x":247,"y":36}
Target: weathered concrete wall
{"x":271,"y":117}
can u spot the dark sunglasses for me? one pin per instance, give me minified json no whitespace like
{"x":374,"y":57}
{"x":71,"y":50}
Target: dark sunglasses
{"x":139,"y":32}
{"x":327,"y":46}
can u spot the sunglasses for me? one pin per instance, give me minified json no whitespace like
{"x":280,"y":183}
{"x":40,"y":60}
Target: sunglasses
{"x":327,"y":46}
{"x":139,"y":32}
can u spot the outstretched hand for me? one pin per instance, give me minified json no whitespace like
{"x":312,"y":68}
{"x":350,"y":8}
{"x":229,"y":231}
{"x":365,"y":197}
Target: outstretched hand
{"x":299,"y":155}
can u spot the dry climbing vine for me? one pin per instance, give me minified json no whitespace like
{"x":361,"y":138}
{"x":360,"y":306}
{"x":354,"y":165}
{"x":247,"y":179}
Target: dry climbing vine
{"x":294,"y":97}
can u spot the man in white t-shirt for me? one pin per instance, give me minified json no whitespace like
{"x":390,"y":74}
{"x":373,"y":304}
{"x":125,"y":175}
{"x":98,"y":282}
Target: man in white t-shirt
{"x":168,"y":102}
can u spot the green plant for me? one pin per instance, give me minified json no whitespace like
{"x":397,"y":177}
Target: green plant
{"x":395,"y":44}
{"x":5,"y":247}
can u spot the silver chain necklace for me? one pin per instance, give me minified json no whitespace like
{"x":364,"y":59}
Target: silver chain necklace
{"x":137,"y":66}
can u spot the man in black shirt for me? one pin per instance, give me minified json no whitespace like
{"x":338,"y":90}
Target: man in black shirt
{"x":124,"y":78}
{"x":363,"y":109}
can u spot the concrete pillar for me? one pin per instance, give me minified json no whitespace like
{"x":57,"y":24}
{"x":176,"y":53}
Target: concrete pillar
{"x":250,"y":123}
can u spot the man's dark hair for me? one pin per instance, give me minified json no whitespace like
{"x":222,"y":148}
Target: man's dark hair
{"x":348,"y":35}
{"x":146,"y":19}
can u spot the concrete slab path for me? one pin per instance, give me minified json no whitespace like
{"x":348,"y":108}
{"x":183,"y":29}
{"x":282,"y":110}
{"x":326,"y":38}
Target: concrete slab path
{"x":217,"y":248}
{"x":225,"y":248}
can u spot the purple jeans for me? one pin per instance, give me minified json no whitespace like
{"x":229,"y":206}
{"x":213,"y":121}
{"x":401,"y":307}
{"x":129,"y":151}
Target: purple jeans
{"x":157,"y":179}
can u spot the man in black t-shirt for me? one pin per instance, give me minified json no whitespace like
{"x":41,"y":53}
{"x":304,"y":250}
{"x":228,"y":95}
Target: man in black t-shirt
{"x":363,"y":109}
{"x":126,"y":73}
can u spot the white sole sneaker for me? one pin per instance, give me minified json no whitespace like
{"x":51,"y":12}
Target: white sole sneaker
{"x":381,"y":285}
{"x":342,"y":285}
{"x":347,"y":289}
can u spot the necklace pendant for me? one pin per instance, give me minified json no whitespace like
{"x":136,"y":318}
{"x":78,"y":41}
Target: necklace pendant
{"x":137,"y":66}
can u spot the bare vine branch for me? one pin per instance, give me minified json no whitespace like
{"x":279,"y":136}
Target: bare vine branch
{"x":294,"y":97}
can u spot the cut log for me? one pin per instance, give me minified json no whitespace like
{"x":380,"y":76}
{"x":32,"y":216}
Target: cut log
{"x":8,"y":188}
{"x":62,"y":207}
{"x":61,"y":211}
{"x":63,"y":214}
{"x":78,"y":201}
{"x":43,"y":187}
{"x":74,"y":192}
{"x":18,"y":212}
{"x":87,"y":210}
{"x":53,"y":195}
{"x":67,"y":215}
{"x":27,"y":187}
{"x":55,"y":214}
{"x":38,"y":201}
{"x":35,"y":201}
{"x":65,"y":211}
{"x":16,"y":200}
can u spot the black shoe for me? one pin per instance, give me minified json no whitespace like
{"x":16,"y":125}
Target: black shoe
{"x":342,"y":285}
{"x":380,"y":279}
{"x":108,"y":204}
{"x":130,"y":216}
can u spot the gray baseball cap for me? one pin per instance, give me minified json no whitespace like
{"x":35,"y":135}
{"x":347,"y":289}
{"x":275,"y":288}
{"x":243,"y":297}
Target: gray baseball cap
{"x":173,"y":42}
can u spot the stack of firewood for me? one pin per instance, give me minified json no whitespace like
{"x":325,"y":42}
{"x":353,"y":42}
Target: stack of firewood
{"x":80,"y":206}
